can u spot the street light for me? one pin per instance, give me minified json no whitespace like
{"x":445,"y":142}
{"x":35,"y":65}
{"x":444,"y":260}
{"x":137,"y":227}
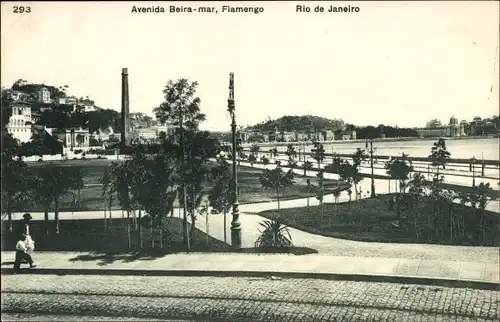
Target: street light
{"x":370,"y":141}
{"x":473,"y":171}
{"x":235,"y":223}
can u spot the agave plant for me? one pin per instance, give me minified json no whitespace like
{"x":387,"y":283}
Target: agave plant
{"x":274,"y":234}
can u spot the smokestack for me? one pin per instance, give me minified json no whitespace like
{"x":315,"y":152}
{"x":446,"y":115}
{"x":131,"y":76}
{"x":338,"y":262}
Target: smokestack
{"x":125,"y":138}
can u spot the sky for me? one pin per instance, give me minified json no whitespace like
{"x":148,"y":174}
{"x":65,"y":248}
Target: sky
{"x":396,"y":63}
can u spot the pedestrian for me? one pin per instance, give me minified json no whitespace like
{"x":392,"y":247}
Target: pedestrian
{"x":21,"y":254}
{"x":30,"y":243}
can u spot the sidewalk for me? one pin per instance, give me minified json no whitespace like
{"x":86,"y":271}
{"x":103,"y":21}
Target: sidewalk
{"x":395,"y":270}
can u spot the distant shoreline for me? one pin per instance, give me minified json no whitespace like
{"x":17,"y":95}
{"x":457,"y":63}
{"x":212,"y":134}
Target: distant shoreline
{"x":374,"y":140}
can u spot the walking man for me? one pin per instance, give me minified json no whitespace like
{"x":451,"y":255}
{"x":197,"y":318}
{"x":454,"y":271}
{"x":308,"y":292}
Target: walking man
{"x":21,"y":254}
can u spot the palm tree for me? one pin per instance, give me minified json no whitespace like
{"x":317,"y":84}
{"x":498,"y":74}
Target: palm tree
{"x":274,"y":234}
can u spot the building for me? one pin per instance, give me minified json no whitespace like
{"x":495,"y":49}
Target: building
{"x":434,"y":129}
{"x":17,"y":96}
{"x":20,"y":123}
{"x":77,"y":138}
{"x":431,"y":132}
{"x":147,"y":135}
{"x":345,"y":135}
{"x":43,"y":96}
{"x":288,"y":136}
{"x":104,"y":134}
{"x":328,"y":135}
{"x":453,"y":128}
{"x":85,"y":105}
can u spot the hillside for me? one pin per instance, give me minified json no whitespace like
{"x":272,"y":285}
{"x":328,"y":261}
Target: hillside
{"x":305,"y":123}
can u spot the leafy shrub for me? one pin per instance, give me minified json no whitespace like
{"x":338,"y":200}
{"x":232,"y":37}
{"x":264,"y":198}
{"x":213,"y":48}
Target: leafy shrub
{"x":40,"y":160}
{"x":274,"y":235}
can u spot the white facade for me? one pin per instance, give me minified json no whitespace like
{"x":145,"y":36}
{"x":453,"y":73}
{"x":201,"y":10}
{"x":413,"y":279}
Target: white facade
{"x":147,"y":134}
{"x":44,"y":96}
{"x":20,"y":122}
{"x":17,"y":96}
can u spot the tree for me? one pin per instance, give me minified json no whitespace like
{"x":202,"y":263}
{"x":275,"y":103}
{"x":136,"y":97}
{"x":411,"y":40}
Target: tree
{"x":318,"y":153}
{"x":350,"y":173}
{"x":264,"y":160}
{"x":335,"y":166}
{"x":51,"y":184}
{"x":292,"y":154}
{"x":309,"y":186}
{"x":400,"y":170}
{"x":276,"y":179}
{"x":14,"y":178}
{"x":158,"y":191}
{"x":254,"y":149}
{"x":416,"y":190}
{"x":181,"y":108}
{"x":6,"y":107}
{"x":307,"y":167}
{"x":107,"y":192}
{"x":122,"y":178}
{"x":220,"y":197}
{"x":482,"y":191}
{"x":320,"y":189}
{"x":439,"y":155}
{"x":252,"y":158}
{"x":336,"y":197}
{"x":273,"y":152}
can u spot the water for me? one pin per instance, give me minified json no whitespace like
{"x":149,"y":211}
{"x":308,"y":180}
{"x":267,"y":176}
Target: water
{"x":487,"y":148}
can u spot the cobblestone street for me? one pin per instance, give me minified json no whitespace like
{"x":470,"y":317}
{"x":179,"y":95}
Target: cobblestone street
{"x":243,"y":299}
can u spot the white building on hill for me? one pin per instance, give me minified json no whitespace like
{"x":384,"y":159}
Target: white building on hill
{"x":20,"y":122}
{"x":44,"y":96}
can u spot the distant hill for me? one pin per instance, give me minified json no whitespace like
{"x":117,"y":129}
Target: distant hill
{"x":305,"y":123}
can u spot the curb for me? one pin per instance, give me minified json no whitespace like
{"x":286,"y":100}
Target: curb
{"x":443,"y":282}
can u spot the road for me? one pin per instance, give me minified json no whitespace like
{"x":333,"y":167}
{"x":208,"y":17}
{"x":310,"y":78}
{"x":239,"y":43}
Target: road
{"x":239,"y":299}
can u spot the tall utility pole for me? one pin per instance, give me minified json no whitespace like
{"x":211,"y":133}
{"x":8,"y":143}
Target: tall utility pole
{"x":235,"y":223}
{"x":370,"y":141}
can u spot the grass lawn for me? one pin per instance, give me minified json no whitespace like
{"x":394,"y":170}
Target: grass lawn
{"x":91,"y":235}
{"x":371,"y":220}
{"x":90,"y":196}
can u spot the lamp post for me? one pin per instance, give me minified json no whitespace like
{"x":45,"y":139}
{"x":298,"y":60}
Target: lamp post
{"x":473,"y":171}
{"x":370,"y":141}
{"x":235,"y":223}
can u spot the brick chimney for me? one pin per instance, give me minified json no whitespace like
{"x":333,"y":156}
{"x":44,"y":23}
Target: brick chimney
{"x":125,"y":137}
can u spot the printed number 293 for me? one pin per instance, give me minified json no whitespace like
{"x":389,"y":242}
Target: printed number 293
{"x":21,"y":9}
